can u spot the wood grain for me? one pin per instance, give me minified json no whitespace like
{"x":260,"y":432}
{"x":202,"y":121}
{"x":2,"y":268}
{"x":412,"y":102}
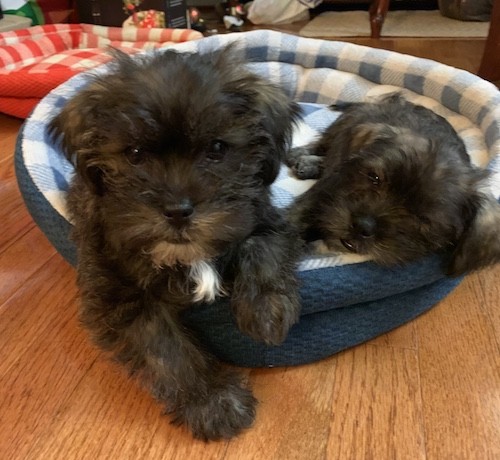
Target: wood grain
{"x":16,"y":220}
{"x":428,"y":390}
{"x":14,"y":267}
{"x":297,"y":402}
{"x":460,"y":372}
{"x":377,"y":407}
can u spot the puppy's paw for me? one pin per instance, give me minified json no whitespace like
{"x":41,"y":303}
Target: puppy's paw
{"x":308,"y":167}
{"x":222,"y":413}
{"x":268,"y":316}
{"x":292,"y":155}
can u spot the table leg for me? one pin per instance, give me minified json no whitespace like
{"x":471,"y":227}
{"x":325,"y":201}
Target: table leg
{"x":378,"y":11}
{"x":490,"y":63}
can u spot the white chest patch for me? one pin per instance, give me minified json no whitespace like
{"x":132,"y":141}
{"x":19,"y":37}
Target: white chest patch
{"x":207,"y":282}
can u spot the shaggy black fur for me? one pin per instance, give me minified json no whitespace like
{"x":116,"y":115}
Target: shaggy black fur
{"x":395,"y":183}
{"x":174,"y":155}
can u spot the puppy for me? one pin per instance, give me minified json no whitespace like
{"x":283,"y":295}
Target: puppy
{"x":174,"y":155}
{"x":395,"y":183}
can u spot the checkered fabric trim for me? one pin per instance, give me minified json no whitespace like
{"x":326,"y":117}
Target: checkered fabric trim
{"x":315,"y":73}
{"x":36,"y":60}
{"x":78,"y":46}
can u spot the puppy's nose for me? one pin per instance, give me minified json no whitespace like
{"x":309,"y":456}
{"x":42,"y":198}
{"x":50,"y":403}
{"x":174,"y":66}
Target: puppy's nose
{"x":178,"y":214}
{"x":364,"y":226}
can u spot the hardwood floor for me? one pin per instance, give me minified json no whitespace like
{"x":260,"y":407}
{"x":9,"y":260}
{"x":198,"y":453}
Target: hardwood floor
{"x":428,"y":390}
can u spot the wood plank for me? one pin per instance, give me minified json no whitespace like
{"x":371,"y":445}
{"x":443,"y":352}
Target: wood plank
{"x":6,"y":171}
{"x":21,"y":259}
{"x":490,"y":289}
{"x":294,"y":402}
{"x":16,"y":221}
{"x":376,"y":409}
{"x":404,"y":336}
{"x":26,"y":317}
{"x":9,"y":127}
{"x":124,"y":423}
{"x":13,"y":214}
{"x":459,"y":364}
{"x":39,"y":382}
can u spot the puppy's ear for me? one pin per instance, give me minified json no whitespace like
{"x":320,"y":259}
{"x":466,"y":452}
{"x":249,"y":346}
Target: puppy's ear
{"x":479,"y":244}
{"x":266,"y":104}
{"x":278,"y":116}
{"x":86,"y":122}
{"x":367,"y":133}
{"x":75,"y":129}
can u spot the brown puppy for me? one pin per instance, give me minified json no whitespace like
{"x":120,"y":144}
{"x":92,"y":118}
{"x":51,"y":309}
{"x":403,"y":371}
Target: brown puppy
{"x":174,"y":155}
{"x":395,"y":183}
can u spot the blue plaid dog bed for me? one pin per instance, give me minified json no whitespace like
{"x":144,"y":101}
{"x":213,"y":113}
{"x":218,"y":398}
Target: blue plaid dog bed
{"x":346,"y":300}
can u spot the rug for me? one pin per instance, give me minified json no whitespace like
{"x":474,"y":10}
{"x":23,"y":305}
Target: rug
{"x":397,"y":24}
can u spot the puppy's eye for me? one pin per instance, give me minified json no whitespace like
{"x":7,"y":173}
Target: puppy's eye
{"x":216,"y":150}
{"x":134,"y":155}
{"x":373,"y":177}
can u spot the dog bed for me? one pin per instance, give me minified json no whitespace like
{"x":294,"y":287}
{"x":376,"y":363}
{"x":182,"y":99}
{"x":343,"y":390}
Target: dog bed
{"x":345,"y":300}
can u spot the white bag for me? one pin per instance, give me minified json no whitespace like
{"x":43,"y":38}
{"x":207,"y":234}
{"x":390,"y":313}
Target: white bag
{"x":280,"y":11}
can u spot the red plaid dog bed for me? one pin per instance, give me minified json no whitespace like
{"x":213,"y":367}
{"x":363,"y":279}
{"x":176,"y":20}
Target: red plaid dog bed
{"x":36,"y":60}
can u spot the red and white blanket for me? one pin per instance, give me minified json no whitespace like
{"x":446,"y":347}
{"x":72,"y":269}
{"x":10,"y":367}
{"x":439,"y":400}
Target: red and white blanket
{"x":34,"y":61}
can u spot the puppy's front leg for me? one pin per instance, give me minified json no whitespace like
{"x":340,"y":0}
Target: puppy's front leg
{"x":265,"y":297}
{"x":211,"y":400}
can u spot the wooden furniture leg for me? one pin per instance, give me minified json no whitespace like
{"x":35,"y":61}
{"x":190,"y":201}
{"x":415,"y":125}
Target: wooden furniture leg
{"x":490,"y":63}
{"x":378,"y":11}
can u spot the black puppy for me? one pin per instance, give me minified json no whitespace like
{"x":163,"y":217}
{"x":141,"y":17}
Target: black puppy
{"x":396,"y":183}
{"x":174,"y":155}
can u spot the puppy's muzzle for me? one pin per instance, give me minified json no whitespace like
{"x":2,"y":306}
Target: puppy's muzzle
{"x":179,"y":214}
{"x":362,"y":227}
